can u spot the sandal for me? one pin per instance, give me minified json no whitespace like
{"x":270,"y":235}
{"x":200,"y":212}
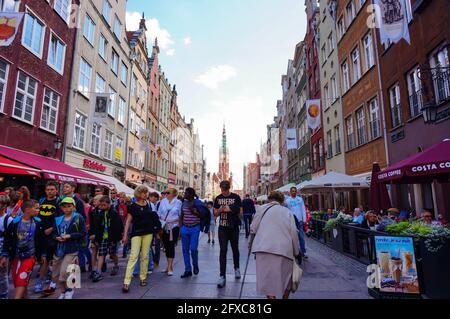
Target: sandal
{"x":125,"y":289}
{"x":143,"y":283}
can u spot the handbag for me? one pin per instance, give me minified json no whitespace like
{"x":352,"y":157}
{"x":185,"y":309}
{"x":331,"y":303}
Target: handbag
{"x":297,"y":274}
{"x":163,"y":225}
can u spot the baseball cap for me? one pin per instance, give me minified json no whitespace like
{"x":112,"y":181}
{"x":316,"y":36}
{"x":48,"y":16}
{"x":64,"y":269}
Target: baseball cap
{"x":67,"y":200}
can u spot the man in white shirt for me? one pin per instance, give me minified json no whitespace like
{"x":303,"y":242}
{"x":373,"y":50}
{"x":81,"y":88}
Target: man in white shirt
{"x":297,"y":207}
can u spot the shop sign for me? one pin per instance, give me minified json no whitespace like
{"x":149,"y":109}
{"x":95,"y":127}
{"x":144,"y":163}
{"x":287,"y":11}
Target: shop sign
{"x":94,"y":165}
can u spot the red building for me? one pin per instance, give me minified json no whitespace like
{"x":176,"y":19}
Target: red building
{"x":313,"y":85}
{"x":35,"y":73}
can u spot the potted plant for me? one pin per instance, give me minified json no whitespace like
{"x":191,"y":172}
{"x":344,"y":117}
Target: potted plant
{"x":432,"y":254}
{"x":333,"y":230}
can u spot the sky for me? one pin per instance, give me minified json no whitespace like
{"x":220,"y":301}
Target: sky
{"x":226,"y":58}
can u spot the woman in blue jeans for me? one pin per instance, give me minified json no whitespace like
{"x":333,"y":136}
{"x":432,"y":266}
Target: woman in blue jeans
{"x":191,"y":213}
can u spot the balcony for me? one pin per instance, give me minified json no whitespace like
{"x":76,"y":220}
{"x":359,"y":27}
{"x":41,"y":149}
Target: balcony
{"x":395,"y":112}
{"x":441,"y":82}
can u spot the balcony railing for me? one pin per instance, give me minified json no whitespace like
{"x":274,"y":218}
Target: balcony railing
{"x":441,"y":82}
{"x":395,"y":112}
{"x":415,"y":103}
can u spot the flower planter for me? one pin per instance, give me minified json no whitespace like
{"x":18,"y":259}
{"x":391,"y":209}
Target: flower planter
{"x":333,"y":238}
{"x":434,"y":270}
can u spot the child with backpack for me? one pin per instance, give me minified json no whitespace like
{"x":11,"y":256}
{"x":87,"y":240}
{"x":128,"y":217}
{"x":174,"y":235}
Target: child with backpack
{"x":23,"y":244}
{"x":70,"y":236}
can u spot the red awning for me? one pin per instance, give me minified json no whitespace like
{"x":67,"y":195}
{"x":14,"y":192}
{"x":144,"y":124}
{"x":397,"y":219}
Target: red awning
{"x":11,"y":167}
{"x":432,"y":162}
{"x":51,"y":168}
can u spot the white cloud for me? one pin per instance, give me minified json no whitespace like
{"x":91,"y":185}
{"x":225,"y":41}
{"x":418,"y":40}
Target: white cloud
{"x":154,"y":30}
{"x":187,"y":41}
{"x":170,"y":52}
{"x":216,"y":75}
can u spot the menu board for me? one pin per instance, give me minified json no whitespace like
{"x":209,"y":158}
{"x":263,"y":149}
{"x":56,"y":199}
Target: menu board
{"x":397,"y":264}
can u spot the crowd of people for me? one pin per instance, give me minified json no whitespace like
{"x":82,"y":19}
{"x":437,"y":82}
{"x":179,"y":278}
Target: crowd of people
{"x":58,"y":231}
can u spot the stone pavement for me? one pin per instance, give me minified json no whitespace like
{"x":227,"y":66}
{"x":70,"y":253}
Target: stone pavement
{"x":327,"y":274}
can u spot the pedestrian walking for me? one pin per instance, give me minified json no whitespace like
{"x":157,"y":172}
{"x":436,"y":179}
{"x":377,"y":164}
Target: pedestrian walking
{"x":228,"y":206}
{"x":248,"y":207}
{"x":106,"y":232}
{"x":48,"y":210}
{"x":145,"y":223}
{"x":23,"y":244}
{"x":169,"y":214}
{"x":94,"y":211}
{"x":212,"y":224}
{"x":5,"y":221}
{"x":69,"y":191}
{"x":297,"y":207}
{"x":69,"y":234}
{"x":192,"y":212}
{"x":85,"y":256}
{"x":122,"y":209}
{"x":275,"y":255}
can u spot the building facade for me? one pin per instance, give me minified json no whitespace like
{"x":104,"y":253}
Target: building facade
{"x":163,"y":148}
{"x":35,"y":74}
{"x":101,"y":65}
{"x":138,"y":117}
{"x":330,"y":85}
{"x":414,"y":75}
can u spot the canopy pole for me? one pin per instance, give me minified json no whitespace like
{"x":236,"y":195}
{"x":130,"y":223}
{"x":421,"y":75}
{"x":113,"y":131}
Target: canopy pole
{"x":334,"y":199}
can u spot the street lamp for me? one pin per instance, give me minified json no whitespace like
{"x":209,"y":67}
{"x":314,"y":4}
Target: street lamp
{"x":429,"y":112}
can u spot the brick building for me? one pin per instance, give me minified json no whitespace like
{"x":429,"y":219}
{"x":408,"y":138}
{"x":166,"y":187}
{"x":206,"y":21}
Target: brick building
{"x":35,"y":73}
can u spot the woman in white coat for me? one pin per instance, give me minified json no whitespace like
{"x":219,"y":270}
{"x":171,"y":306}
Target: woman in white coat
{"x":276,"y":245}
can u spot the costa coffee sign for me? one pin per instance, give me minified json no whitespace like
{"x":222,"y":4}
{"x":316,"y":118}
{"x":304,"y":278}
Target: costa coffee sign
{"x":430,"y":168}
{"x":94,"y":165}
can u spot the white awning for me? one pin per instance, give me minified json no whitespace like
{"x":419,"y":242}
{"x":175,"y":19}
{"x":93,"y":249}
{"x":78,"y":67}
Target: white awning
{"x":262,"y":198}
{"x":286,"y":188}
{"x":120,"y":187}
{"x":334,"y":180}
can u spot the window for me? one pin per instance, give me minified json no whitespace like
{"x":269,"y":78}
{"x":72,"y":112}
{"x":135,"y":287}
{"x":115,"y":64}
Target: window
{"x":441,"y":77}
{"x":100,"y":84}
{"x":331,"y":44}
{"x":121,"y":111}
{"x":324,"y":53}
{"x":56,"y":53}
{"x":321,"y":157}
{"x":95,"y":139}
{"x":334,"y":91}
{"x":84,"y":83}
{"x":132,"y":123}
{"x":106,"y":11}
{"x":345,"y":76}
{"x":103,"y":47}
{"x":350,"y":135}
{"x":329,"y":145}
{"x":124,"y":74}
{"x":89,"y":29}
{"x":119,"y":147}
{"x":394,"y":94}
{"x":350,"y":9}
{"x":414,"y":92}
{"x":112,"y":105}
{"x":25,"y":98}
{"x":356,"y":66}
{"x":107,"y":152}
{"x":361,"y":126}
{"x":117,"y":28}
{"x":133,"y":85}
{"x":337,"y":139}
{"x":375,"y":130}
{"x":3,"y":80}
{"x":80,"y":131}
{"x":33,"y":34}
{"x":9,"y":5}
{"x":130,"y":156}
{"x":314,"y":156}
{"x":115,"y":62}
{"x":50,"y":110}
{"x":326,"y":97}
{"x":317,"y":78}
{"x":362,"y":3}
{"x":341,"y":28}
{"x":62,"y":7}
{"x":368,"y":50}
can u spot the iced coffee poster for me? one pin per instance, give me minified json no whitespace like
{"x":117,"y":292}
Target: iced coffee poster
{"x":397,"y":264}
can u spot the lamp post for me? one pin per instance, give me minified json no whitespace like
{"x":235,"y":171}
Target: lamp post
{"x":57,"y":144}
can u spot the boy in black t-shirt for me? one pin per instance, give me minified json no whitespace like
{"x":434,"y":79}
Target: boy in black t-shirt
{"x":228,"y":206}
{"x":48,"y":210}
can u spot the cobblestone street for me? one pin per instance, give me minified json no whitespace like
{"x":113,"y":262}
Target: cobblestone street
{"x":327,"y":274}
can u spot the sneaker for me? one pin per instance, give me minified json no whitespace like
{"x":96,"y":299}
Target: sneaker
{"x":62,"y":296}
{"x":221,"y":283}
{"x":50,"y":289}
{"x":304,"y":256}
{"x":115,"y":271}
{"x":91,"y":276}
{"x":69,"y":294}
{"x":149,"y":272}
{"x":39,"y":287}
{"x":104,"y":267}
{"x":196,"y":270}
{"x":170,"y":273}
{"x":97,"y":277}
{"x":186,"y":274}
{"x":237,"y":273}
{"x":213,"y":242}
{"x":209,"y":241}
